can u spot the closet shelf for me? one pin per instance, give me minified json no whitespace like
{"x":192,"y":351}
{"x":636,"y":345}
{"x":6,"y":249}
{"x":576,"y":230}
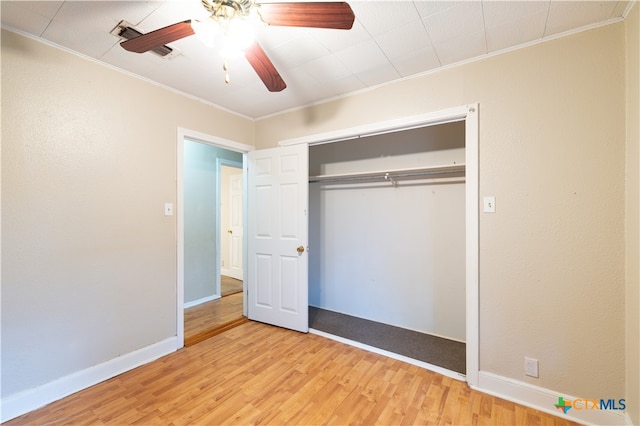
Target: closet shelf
{"x":431,"y":172}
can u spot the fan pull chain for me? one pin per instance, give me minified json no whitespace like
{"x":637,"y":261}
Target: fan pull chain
{"x":226,"y":72}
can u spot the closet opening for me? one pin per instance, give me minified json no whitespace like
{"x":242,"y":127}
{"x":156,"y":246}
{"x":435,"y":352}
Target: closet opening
{"x":388,"y":243}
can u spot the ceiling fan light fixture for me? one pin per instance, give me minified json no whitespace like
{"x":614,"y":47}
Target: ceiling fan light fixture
{"x":314,"y":14}
{"x":207,"y":32}
{"x":233,"y":48}
{"x":240,"y":33}
{"x":227,"y":9}
{"x":230,"y":27}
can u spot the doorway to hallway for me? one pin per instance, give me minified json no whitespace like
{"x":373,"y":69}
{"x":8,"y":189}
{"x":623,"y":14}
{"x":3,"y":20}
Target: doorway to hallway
{"x":213,"y":234}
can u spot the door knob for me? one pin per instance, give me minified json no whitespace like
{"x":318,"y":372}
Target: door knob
{"x":229,"y":231}
{"x":300,"y":249}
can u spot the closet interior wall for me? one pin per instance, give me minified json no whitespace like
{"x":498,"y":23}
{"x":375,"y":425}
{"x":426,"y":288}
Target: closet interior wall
{"x":391,"y":253}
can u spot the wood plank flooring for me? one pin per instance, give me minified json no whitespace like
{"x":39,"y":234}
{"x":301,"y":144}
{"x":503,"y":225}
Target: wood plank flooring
{"x":211,"y":315}
{"x":260,"y":374}
{"x":229,"y":285}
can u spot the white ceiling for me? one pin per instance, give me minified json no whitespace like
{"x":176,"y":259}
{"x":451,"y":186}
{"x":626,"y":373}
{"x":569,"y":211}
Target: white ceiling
{"x":390,"y":40}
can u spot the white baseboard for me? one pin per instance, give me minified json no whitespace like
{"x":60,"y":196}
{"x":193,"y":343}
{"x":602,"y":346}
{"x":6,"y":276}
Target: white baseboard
{"x":32,"y":399}
{"x":544,"y":400}
{"x":199,"y":301}
{"x":224,"y":271}
{"x":425,"y":365}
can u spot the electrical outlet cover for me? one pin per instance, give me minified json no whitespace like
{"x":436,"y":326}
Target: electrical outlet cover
{"x":489,"y":204}
{"x":531,"y":367}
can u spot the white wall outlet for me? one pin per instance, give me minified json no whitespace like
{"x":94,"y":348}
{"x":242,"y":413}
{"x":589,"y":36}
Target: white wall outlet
{"x":490,"y":204}
{"x":168,"y":209}
{"x":531,"y":367}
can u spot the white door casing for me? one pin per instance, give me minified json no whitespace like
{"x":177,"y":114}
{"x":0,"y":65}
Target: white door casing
{"x":235,"y":231}
{"x":182,"y":135}
{"x":278,"y":236}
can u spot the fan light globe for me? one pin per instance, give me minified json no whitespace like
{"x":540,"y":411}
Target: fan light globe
{"x":240,"y":33}
{"x":207,"y":32}
{"x":229,"y":28}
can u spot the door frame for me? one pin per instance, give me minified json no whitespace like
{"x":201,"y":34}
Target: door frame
{"x":238,"y":165}
{"x":194,"y":135}
{"x":468,"y":114}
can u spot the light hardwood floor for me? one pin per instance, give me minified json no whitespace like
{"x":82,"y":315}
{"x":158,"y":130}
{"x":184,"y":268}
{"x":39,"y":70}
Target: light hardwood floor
{"x":212,"y":315}
{"x":211,"y":318}
{"x":259,"y":374}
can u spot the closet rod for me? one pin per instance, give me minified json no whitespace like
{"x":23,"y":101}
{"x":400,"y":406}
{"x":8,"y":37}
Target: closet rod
{"x":431,"y":172}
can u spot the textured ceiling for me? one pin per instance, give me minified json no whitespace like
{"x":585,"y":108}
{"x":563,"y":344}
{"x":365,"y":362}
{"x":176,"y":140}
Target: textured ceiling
{"x":390,"y":40}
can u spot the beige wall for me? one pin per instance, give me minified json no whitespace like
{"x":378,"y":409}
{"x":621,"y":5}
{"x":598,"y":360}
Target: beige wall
{"x":552,"y":144}
{"x":632,"y":298}
{"x":88,"y":258}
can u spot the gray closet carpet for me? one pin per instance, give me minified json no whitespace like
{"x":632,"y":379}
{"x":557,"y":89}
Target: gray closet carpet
{"x":434,"y":350}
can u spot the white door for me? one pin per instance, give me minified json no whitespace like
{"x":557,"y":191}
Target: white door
{"x":278,"y":229}
{"x":235,"y":226}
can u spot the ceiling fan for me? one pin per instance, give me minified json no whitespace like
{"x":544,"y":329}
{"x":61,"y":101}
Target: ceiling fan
{"x":224,"y":13}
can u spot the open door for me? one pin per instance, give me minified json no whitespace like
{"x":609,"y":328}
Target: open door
{"x":277,"y":270}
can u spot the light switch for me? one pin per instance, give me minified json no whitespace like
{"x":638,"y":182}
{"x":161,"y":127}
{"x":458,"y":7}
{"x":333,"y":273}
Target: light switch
{"x":168,"y":209}
{"x":490,"y":204}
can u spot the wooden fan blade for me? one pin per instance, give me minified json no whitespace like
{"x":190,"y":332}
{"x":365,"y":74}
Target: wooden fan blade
{"x":336,"y":15}
{"x":264,"y":68}
{"x":159,"y":37}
